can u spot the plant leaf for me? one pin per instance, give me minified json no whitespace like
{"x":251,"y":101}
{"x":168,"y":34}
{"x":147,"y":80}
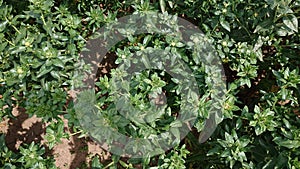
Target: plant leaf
{"x":291,"y":22}
{"x":162,"y":5}
{"x":225,"y":24}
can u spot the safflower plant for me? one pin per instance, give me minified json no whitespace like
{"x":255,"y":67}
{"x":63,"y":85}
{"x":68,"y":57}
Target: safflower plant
{"x":258,"y":44}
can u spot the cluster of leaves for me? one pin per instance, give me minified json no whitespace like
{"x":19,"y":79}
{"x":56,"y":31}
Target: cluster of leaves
{"x":258,"y":42}
{"x":30,"y":156}
{"x":39,"y":59}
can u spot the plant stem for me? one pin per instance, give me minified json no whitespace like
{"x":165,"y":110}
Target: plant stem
{"x":76,"y":133}
{"x":9,"y":42}
{"x":110,"y":164}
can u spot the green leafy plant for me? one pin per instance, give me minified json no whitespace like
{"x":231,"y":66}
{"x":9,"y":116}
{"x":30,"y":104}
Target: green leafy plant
{"x":257,"y":41}
{"x":30,"y":156}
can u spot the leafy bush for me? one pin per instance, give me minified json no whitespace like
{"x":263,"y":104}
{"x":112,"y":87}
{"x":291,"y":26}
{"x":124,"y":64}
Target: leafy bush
{"x":30,"y":156}
{"x":257,"y":41}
